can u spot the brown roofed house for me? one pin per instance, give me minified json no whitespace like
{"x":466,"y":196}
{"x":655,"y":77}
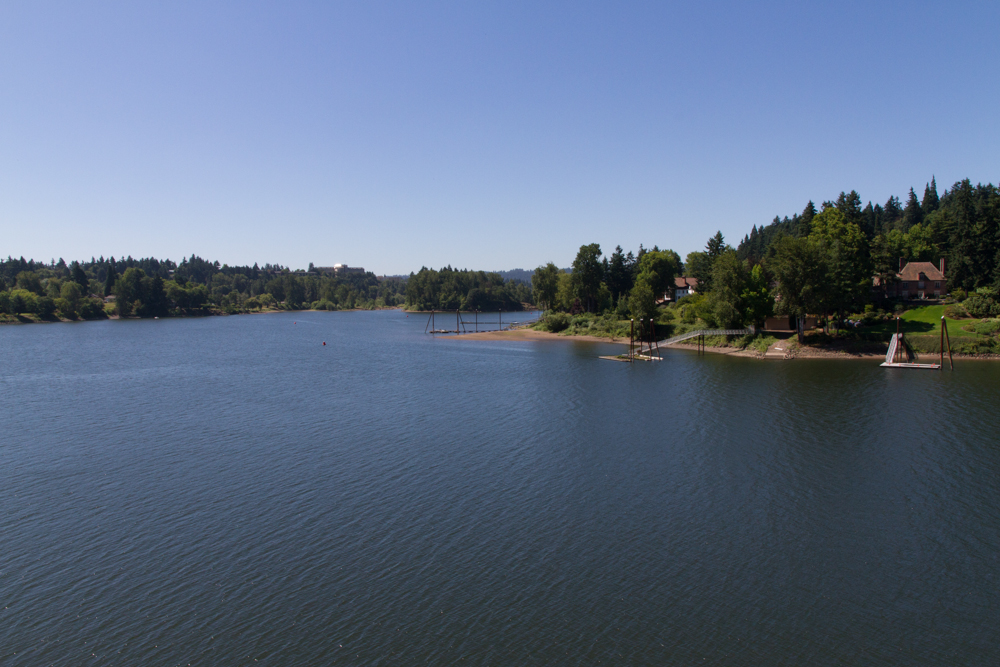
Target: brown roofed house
{"x":919,"y":280}
{"x":684,"y":285}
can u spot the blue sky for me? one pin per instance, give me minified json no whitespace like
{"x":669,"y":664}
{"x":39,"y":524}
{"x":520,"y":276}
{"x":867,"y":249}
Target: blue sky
{"x":477,"y":134}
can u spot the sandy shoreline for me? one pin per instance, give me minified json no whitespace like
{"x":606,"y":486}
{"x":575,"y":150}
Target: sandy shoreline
{"x":800,"y":353}
{"x":531,"y":334}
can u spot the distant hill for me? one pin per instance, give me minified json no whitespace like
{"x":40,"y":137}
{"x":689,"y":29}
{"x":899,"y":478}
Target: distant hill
{"x":522,"y":275}
{"x":518,"y":275}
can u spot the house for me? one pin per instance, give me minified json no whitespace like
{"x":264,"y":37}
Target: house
{"x":684,"y":285}
{"x":919,"y":280}
{"x":339,"y":269}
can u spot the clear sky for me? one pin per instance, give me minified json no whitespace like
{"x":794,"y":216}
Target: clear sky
{"x":487,"y":135}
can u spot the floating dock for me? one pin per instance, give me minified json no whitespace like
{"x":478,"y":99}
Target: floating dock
{"x":899,"y":355}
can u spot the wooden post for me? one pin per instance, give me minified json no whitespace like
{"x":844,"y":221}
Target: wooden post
{"x":458,"y":322}
{"x":943,"y":327}
{"x":428,"y":321}
{"x":432,"y":322}
{"x":947,"y":337}
{"x":477,"y":321}
{"x":500,"y":315}
{"x":631,"y":336}
{"x":895,"y":357}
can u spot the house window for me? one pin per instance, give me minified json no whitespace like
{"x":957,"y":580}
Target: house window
{"x":937,"y":294}
{"x":906,"y":295}
{"x":937,"y":284}
{"x":920,"y":285}
{"x":904,"y":285}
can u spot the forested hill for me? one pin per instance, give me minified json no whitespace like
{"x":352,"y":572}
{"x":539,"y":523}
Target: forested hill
{"x":518,"y":275}
{"x":454,"y":289}
{"x":962,"y":225}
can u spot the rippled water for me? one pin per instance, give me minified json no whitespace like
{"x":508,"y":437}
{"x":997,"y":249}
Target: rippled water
{"x":228,"y":490}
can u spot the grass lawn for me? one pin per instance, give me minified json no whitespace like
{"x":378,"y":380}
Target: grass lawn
{"x":925,"y":320}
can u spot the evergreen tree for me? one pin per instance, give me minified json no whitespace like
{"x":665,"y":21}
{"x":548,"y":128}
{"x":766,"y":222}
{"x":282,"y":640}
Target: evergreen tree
{"x":805,"y":220}
{"x":715,"y":246}
{"x":619,"y":274}
{"x":849,"y":205}
{"x":931,"y":201}
{"x":869,"y":220}
{"x":893,"y":214}
{"x":109,"y":282}
{"x":79,"y":277}
{"x":912,"y":215}
{"x":588,"y":273}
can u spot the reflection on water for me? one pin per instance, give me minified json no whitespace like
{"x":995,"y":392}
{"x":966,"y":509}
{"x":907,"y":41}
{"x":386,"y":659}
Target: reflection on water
{"x":226,"y":490}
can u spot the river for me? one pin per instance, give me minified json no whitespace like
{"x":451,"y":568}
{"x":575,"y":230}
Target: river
{"x":230,"y":491}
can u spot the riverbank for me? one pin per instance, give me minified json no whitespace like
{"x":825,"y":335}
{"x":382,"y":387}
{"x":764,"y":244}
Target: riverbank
{"x":788,"y":350}
{"x":532,"y":334}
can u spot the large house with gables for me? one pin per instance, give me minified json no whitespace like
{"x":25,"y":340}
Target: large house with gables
{"x":919,"y":280}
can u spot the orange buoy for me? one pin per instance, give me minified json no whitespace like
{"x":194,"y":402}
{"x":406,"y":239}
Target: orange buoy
{"x":324,"y":342}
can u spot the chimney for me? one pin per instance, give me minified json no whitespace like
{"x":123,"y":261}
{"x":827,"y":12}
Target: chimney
{"x":900,"y":264}
{"x":942,"y":266}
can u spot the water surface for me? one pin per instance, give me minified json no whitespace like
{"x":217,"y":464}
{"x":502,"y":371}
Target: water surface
{"x":230,"y":491}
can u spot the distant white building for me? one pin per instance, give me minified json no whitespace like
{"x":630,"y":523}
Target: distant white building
{"x":339,"y":269}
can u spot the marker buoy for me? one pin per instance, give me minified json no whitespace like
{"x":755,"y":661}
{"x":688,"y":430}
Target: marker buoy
{"x":324,"y":342}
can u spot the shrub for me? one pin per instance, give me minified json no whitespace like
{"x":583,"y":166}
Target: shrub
{"x":982,"y":305}
{"x":955,"y":311}
{"x":555,"y":322}
{"x":45,"y":306}
{"x":985,"y":328}
{"x":91,"y":309}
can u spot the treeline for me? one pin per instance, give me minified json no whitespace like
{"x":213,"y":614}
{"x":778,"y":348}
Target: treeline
{"x":453,"y":289}
{"x":962,"y":225}
{"x":623,"y":282}
{"x":150,"y":287}
{"x":833,"y":262}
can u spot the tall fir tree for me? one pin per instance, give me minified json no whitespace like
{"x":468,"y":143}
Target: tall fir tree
{"x":892,"y":214}
{"x":931,"y":201}
{"x":912,"y":215}
{"x":109,"y":282}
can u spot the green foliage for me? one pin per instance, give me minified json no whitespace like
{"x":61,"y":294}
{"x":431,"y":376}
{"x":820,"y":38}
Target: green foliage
{"x":29,"y":280}
{"x":45,"y":306}
{"x":756,"y":300}
{"x":554,"y":322}
{"x":23,"y":301}
{"x":451,"y":289}
{"x":730,"y":281}
{"x":757,"y":342}
{"x":658,"y":268}
{"x":799,"y":267}
{"x":585,"y":324}
{"x":986,"y":327}
{"x":983,"y":303}
{"x":588,"y":274}
{"x":699,"y":265}
{"x":955,"y":311}
{"x":642,"y":301}
{"x":545,"y":285}
{"x":619,"y":275}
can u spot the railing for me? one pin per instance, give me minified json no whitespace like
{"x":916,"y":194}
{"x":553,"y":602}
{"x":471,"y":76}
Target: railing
{"x":704,"y":332}
{"x":694,"y":334}
{"x":890,"y":356}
